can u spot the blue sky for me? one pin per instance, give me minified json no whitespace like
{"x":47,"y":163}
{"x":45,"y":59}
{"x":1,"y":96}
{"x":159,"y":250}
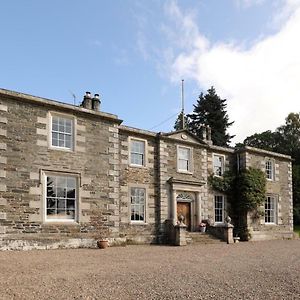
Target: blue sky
{"x":135,"y":53}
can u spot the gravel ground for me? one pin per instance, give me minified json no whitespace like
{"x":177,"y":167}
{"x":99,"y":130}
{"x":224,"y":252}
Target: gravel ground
{"x":260,"y":270}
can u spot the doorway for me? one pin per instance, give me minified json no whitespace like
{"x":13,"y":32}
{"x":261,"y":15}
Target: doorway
{"x":184,"y":209}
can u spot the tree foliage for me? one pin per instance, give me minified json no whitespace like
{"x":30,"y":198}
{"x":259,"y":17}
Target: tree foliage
{"x":210,"y":110}
{"x":250,"y":189}
{"x":179,"y":123}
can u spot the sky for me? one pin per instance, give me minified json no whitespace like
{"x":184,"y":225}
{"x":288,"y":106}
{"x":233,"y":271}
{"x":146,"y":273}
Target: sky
{"x":135,"y":53}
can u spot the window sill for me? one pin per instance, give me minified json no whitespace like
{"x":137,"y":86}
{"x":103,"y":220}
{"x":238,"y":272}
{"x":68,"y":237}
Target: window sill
{"x":61,"y":149}
{"x":61,"y":222}
{"x":218,"y":176}
{"x":219,"y":224}
{"x":137,"y":166}
{"x":138,"y":223}
{"x":185,"y":172}
{"x":270,"y":179}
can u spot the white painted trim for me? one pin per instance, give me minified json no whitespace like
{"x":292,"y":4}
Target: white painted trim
{"x":146,"y":217}
{"x":49,"y":130}
{"x":44,"y":175}
{"x":191,"y":160}
{"x":223,"y":210}
{"x":275,"y":197}
{"x":130,"y":138}
{"x":223,"y":167}
{"x":272,"y":160}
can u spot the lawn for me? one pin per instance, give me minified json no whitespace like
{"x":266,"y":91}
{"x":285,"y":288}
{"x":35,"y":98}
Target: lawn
{"x":297,"y":229}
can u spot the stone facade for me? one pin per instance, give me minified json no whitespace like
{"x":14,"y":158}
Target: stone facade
{"x":123,"y":194}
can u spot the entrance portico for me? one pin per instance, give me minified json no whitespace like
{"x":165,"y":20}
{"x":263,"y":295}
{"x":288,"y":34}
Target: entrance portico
{"x":185,"y":199}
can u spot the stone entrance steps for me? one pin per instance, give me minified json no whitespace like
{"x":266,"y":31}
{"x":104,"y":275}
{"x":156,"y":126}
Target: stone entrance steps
{"x":201,"y":238}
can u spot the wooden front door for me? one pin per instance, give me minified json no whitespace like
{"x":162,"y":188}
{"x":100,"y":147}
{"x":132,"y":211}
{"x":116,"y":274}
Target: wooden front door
{"x":184,"y":208}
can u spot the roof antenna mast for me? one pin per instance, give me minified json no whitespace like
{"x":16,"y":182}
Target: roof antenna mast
{"x":182,"y":104}
{"x":74,"y":97}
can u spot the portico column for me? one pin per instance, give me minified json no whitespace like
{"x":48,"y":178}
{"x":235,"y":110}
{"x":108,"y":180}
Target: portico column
{"x":174,"y":207}
{"x":198,"y":209}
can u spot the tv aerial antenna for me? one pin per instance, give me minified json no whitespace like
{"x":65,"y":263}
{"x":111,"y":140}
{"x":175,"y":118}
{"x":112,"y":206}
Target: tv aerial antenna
{"x":74,"y":97}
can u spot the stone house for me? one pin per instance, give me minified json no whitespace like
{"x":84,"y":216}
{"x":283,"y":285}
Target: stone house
{"x":71,"y":174}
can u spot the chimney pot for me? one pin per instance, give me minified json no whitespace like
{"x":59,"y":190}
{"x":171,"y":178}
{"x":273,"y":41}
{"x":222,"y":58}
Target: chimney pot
{"x":87,"y":101}
{"x":96,"y":102}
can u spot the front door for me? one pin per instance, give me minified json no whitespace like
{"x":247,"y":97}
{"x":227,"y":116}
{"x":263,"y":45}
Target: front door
{"x":184,"y":208}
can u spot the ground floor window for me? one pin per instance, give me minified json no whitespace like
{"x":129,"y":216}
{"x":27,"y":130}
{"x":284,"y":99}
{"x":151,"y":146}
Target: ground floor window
{"x":270,"y":209}
{"x":61,"y":194}
{"x":219,"y":208}
{"x":138,"y":199}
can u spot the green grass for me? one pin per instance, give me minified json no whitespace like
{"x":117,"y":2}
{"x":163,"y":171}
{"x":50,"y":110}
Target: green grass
{"x":297,"y":229}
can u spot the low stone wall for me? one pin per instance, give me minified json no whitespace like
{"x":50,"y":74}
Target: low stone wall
{"x":50,"y":243}
{"x":223,"y":232}
{"x":46,"y":244}
{"x":270,"y":235}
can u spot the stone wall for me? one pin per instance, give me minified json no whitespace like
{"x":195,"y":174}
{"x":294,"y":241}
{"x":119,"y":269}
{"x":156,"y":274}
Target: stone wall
{"x":281,"y":188}
{"x":143,"y":177}
{"x":26,"y":154}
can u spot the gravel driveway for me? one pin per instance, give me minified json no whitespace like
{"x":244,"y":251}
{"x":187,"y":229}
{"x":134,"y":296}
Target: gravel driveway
{"x":260,"y":270}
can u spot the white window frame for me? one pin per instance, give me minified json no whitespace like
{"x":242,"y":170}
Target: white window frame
{"x":222,"y":209}
{"x":274,"y":209}
{"x":190,"y":168}
{"x":222,"y":156}
{"x":270,"y":171}
{"x":72,"y":134}
{"x":145,"y":156}
{"x":142,"y":187}
{"x":45,"y":196}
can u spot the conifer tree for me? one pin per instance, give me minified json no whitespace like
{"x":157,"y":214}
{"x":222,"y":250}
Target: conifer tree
{"x":210,"y":110}
{"x":179,"y":123}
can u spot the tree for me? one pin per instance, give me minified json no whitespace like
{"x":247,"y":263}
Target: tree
{"x":266,"y":140}
{"x":210,"y":110}
{"x":179,"y":122}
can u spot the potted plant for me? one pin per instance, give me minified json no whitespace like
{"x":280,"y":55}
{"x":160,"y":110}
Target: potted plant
{"x":202,"y":226}
{"x":102,"y":241}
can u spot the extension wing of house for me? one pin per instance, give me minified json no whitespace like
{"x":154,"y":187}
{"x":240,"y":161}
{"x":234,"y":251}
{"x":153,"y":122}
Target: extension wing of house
{"x":69,"y":175}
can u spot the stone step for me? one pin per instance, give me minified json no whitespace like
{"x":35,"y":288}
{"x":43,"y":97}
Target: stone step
{"x":201,"y":238}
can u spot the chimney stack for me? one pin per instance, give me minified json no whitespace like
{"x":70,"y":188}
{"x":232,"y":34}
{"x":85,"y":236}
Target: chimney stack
{"x":87,"y":101}
{"x":96,"y":102}
{"x":203,"y":129}
{"x":208,"y":135}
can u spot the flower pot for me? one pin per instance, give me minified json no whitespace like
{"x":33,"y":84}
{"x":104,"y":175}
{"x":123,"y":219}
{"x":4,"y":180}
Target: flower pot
{"x":102,"y":244}
{"x":202,"y":229}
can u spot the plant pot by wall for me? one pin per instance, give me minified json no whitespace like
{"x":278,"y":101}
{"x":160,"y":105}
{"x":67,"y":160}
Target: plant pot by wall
{"x":102,"y":244}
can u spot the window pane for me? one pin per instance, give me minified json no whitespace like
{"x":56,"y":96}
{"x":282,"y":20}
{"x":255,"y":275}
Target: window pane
{"x":270,"y":210}
{"x":183,"y":158}
{"x":61,"y":197}
{"x":218,"y":165}
{"x":183,"y":165}
{"x":137,"y":204}
{"x":62,"y":129}
{"x":219,"y":208}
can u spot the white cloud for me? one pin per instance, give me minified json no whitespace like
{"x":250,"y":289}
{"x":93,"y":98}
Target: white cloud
{"x":262,"y":84}
{"x":248,"y":3}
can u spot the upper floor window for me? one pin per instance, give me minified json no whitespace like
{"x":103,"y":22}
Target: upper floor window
{"x":137,"y":152}
{"x":270,"y":210}
{"x":270,"y":170}
{"x":61,"y":195}
{"x":218,"y":164}
{"x":184,"y":161}
{"x":219,"y":208}
{"x":62,"y":132}
{"x":138,"y":199}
